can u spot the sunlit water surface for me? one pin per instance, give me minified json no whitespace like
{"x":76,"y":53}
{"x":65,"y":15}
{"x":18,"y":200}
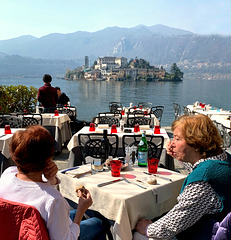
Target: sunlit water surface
{"x":92,"y":97}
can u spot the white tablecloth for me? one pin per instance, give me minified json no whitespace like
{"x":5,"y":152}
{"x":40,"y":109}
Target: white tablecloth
{"x":49,"y":119}
{"x":5,"y":141}
{"x":59,"y":126}
{"x":123,"y":202}
{"x":222,"y":119}
{"x":209,"y":112}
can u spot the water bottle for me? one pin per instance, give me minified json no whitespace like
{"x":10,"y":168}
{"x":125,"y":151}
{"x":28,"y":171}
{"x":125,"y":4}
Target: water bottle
{"x":143,"y":151}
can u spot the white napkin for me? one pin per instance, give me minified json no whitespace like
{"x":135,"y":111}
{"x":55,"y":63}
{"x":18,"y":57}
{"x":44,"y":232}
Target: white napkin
{"x":82,"y":170}
{"x":103,"y":126}
{"x":144,"y":127}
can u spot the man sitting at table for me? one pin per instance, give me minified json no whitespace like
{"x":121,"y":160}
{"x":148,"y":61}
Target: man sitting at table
{"x":33,"y":183}
{"x":47,"y":95}
{"x":63,"y":99}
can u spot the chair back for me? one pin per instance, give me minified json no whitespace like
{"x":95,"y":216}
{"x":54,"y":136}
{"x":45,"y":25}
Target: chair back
{"x":21,"y":221}
{"x":145,"y":104}
{"x":155,"y":143}
{"x":138,"y":120}
{"x":136,"y":113}
{"x":107,"y":120}
{"x":157,"y":107}
{"x":116,"y":114}
{"x":90,"y":144}
{"x":31,"y":119}
{"x":177,"y":110}
{"x":3,"y":119}
{"x":13,"y":121}
{"x":186,"y":110}
{"x":226,"y":136}
{"x":158,"y":114}
{"x":71,"y":113}
{"x":115,"y":106}
{"x":219,"y":126}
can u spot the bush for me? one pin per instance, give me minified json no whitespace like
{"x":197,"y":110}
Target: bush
{"x":17,"y":98}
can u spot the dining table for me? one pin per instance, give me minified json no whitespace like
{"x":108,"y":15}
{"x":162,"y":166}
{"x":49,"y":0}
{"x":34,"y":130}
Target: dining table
{"x":224,"y":120}
{"x":127,"y":200}
{"x":59,"y":127}
{"x":75,"y":155}
{"x":5,"y":160}
{"x":209,"y":110}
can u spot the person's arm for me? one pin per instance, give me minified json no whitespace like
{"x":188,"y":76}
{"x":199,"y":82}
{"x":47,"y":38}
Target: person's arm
{"x":195,"y":201}
{"x":59,"y":224}
{"x":39,"y":98}
{"x":85,"y":201}
{"x":50,"y":172}
{"x":67,"y":98}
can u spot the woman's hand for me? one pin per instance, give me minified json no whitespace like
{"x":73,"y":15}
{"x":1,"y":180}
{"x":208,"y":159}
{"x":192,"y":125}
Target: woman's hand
{"x":169,"y":148}
{"x":85,"y":200}
{"x":141,"y":225}
{"x":50,"y":172}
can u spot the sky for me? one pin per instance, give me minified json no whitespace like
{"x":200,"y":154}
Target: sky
{"x":42,"y":17}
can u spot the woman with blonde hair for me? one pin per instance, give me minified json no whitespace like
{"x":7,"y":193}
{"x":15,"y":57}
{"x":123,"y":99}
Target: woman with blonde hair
{"x":205,"y":195}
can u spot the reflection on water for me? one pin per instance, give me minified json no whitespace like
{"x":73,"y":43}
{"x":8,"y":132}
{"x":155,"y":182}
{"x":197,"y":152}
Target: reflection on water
{"x":92,"y":97}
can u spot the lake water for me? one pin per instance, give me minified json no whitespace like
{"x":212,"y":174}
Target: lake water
{"x":92,"y":97}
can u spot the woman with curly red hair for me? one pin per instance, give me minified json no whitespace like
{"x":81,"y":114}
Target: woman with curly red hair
{"x":205,"y":196}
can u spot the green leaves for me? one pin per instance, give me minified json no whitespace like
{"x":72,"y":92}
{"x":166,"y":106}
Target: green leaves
{"x":17,"y":98}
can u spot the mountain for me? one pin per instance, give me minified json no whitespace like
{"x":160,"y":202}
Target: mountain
{"x":196,"y":55}
{"x":18,"y":66}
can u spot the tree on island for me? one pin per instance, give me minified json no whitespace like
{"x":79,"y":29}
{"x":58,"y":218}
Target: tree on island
{"x":176,"y":74}
{"x":139,"y":63}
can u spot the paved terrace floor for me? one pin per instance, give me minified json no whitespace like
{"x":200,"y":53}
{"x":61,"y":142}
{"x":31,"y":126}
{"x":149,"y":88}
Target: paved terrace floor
{"x":62,"y":159}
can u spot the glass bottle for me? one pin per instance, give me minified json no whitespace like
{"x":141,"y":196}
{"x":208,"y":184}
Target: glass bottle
{"x":104,"y":147}
{"x":121,"y":125}
{"x":143,"y":151}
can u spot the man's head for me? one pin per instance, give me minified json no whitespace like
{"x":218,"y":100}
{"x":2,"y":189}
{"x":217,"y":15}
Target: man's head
{"x":47,"y":78}
{"x":58,"y":91}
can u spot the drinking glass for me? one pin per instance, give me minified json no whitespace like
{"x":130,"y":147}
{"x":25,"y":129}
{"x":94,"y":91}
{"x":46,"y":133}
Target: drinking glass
{"x":56,"y":113}
{"x":115,"y":167}
{"x":113,"y":128}
{"x":157,"y":130}
{"x":122,"y":112}
{"x":153,"y":165}
{"x":7,"y":129}
{"x":136,"y":128}
{"x":92,"y":127}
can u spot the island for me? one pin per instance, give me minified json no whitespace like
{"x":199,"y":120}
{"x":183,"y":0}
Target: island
{"x":118,"y":69}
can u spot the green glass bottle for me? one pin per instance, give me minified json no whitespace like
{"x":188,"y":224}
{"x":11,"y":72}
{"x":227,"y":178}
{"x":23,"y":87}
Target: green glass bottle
{"x":143,"y":152}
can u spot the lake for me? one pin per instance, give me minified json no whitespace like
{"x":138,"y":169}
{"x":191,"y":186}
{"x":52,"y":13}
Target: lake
{"x":92,"y":97}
